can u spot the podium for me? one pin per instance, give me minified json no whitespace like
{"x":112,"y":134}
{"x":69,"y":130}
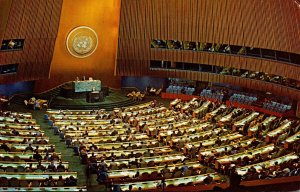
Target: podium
{"x":95,"y":96}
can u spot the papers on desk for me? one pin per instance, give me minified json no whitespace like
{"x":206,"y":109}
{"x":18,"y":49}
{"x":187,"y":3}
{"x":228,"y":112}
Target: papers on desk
{"x":293,"y":138}
{"x":214,"y":112}
{"x":229,"y":116}
{"x":246,"y":119}
{"x":280,"y":129}
{"x":203,"y":106}
{"x":265,"y":122}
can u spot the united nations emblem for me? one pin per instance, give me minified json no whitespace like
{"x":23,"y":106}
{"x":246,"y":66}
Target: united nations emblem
{"x":82,"y":42}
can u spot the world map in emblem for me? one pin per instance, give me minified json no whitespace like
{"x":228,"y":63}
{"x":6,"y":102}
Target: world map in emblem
{"x":82,"y":42}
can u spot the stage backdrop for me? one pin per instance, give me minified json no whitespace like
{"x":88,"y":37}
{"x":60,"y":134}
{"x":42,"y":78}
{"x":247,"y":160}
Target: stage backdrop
{"x":103,"y":17}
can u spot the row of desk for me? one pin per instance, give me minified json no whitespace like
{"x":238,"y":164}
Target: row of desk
{"x":191,"y":180}
{"x":20,"y":159}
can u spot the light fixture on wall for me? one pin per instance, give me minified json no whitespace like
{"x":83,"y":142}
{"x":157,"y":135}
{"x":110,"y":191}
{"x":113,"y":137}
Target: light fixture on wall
{"x":11,"y":44}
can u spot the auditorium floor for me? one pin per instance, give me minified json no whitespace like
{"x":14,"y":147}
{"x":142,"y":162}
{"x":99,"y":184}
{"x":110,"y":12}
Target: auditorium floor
{"x":67,"y":153}
{"x":74,"y":162}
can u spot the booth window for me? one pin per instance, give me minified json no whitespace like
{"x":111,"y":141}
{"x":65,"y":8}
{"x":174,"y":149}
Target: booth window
{"x":8,"y":69}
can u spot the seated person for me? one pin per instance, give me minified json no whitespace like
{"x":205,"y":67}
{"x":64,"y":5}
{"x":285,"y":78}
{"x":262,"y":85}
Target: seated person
{"x":60,"y":166}
{"x":37,"y":156}
{"x":40,"y":166}
{"x":51,"y":167}
{"x":51,"y":182}
{"x":208,"y":180}
{"x":54,"y":157}
{"x":51,"y":149}
{"x":36,"y":149}
{"x":29,"y":168}
{"x":29,"y":148}
{"x":4,"y":147}
{"x":15,"y":132}
{"x":72,"y":181}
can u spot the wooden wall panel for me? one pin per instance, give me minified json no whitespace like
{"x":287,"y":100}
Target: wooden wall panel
{"x":103,"y":16}
{"x":5,"y":6}
{"x":37,"y":22}
{"x":264,"y":24}
{"x":257,"y":23}
{"x":270,"y":24}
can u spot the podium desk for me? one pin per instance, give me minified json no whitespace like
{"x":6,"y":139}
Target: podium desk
{"x":94,"y":96}
{"x":86,"y":86}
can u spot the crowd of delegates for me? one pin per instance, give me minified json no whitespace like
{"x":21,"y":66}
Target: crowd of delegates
{"x":27,"y":159}
{"x":136,"y":96}
{"x":144,"y":144}
{"x":259,"y":76}
{"x":36,"y":104}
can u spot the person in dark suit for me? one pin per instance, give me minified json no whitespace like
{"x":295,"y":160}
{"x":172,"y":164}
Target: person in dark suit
{"x":37,"y":156}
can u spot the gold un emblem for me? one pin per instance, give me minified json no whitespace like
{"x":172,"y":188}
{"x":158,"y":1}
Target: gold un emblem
{"x":82,"y":42}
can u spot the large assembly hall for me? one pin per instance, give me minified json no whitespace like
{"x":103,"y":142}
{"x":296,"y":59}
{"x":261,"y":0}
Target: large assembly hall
{"x":150,"y":95}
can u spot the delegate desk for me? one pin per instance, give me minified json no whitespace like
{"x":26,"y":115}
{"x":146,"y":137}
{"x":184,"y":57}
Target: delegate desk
{"x":68,"y":112}
{"x":86,"y":86}
{"x":138,"y":107}
{"x":155,"y":159}
{"x":19,"y":126}
{"x":228,"y":117}
{"x":148,"y":117}
{"x":190,"y":180}
{"x":157,"y":122}
{"x":108,"y":127}
{"x":90,"y":122}
{"x":119,"y":145}
{"x":20,"y":121}
{"x":37,"y":176}
{"x":198,"y":129}
{"x":25,"y":156}
{"x":20,"y":139}
{"x":21,"y":115}
{"x":221,"y":149}
{"x":181,"y":125}
{"x":22,"y":147}
{"x":194,"y":137}
{"x":104,"y":139}
{"x":125,"y":173}
{"x":73,"y":117}
{"x":22,"y":132}
{"x":244,"y":121}
{"x":279,"y":130}
{"x":215,"y":112}
{"x":201,"y":110}
{"x":119,"y":153}
{"x":266,"y":122}
{"x":5,"y":164}
{"x":291,"y":140}
{"x":95,"y":133}
{"x":9,"y":189}
{"x":267,"y":164}
{"x":226,"y":160}
{"x":229,"y":137}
